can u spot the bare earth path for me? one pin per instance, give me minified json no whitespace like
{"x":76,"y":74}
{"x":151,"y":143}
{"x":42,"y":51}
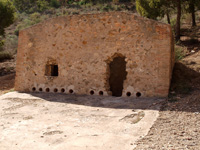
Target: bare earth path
{"x":68,"y":122}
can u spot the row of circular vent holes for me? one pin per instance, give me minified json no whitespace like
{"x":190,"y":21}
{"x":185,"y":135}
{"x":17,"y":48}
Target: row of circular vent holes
{"x":138,"y":94}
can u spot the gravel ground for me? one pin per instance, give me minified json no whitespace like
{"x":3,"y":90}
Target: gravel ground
{"x":177,"y":128}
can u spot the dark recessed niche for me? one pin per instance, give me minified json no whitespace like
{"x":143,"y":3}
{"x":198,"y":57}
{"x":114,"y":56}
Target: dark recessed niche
{"x":40,"y":89}
{"x":138,"y":94}
{"x":51,"y":70}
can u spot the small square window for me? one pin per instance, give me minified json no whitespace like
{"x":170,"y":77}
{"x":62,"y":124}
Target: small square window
{"x":51,"y":70}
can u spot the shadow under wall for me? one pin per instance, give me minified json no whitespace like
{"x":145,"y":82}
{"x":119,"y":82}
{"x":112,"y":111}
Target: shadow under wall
{"x":102,"y":101}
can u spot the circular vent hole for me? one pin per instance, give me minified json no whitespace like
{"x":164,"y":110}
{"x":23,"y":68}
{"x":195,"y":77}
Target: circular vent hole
{"x":100,"y":92}
{"x":40,"y":89}
{"x":92,"y":92}
{"x":47,"y":89}
{"x":138,"y":94}
{"x":62,"y":90}
{"x":55,"y":90}
{"x":33,"y":89}
{"x":71,"y":91}
{"x":128,"y":94}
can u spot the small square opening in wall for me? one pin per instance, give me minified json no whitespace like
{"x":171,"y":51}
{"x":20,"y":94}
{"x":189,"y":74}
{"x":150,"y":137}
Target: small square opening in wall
{"x":51,"y":70}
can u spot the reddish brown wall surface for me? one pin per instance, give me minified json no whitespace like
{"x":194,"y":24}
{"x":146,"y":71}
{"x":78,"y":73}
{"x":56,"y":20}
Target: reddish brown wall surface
{"x":83,"y":46}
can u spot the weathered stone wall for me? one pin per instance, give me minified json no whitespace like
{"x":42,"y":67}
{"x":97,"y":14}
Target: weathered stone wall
{"x":83,"y":46}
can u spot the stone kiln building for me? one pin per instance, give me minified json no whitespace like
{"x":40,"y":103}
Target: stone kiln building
{"x":116,"y":53}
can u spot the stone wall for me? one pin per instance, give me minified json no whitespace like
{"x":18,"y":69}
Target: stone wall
{"x":83,"y":46}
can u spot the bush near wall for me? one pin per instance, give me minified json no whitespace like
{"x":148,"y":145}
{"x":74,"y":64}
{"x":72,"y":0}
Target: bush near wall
{"x":5,"y":55}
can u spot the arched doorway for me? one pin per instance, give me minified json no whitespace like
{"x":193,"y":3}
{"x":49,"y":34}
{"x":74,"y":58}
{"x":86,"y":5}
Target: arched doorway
{"x":117,"y":75}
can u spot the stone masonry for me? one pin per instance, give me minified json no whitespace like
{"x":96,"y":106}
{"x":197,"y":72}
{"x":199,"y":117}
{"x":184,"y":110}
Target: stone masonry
{"x":115,"y":53}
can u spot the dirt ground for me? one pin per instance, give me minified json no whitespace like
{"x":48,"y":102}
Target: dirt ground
{"x":60,"y":121}
{"x":177,"y":127}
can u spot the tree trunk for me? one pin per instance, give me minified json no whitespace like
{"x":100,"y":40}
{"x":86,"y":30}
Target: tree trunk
{"x":192,"y":7}
{"x":178,"y":20}
{"x":168,"y":18}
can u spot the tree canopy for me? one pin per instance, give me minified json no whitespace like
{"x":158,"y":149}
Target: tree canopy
{"x":7,"y":11}
{"x":158,"y":8}
{"x":150,"y":8}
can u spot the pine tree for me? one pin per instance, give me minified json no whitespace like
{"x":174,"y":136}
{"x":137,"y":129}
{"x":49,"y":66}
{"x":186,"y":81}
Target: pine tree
{"x":150,"y":8}
{"x":7,"y":11}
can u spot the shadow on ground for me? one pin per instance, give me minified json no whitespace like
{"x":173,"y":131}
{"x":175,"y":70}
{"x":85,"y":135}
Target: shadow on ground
{"x":102,"y":101}
{"x":184,"y":92}
{"x":184,"y":79}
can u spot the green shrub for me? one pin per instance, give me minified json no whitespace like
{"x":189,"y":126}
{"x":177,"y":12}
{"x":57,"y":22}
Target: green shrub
{"x":30,"y":6}
{"x":11,"y":42}
{"x":35,"y":15}
{"x":2,"y":43}
{"x":107,"y":7}
{"x":34,"y":18}
{"x":179,"y":53}
{"x":42,"y":5}
{"x":173,"y":22}
{"x":26,"y":23}
{"x":7,"y":14}
{"x":58,"y":12}
{"x":88,"y":5}
{"x":24,"y":5}
{"x":82,"y":2}
{"x":70,"y":1}
{"x":55,"y":3}
{"x":5,"y":55}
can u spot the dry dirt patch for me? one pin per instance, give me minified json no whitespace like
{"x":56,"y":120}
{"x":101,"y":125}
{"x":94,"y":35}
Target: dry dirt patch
{"x":49,"y":121}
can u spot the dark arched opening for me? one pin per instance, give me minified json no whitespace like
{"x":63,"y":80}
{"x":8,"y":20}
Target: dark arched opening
{"x":117,"y":75}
